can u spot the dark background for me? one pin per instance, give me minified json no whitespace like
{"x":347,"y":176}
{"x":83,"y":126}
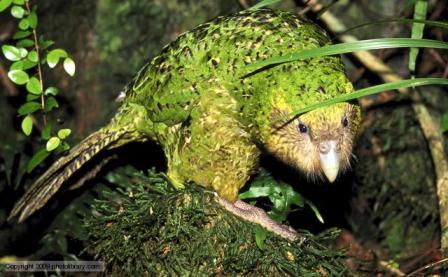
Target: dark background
{"x":387,"y":204}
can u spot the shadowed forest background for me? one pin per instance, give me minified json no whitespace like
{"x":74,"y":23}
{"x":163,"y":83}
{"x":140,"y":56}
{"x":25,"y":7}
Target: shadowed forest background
{"x":386,"y":207}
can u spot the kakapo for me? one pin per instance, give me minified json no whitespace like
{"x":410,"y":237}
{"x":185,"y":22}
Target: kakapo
{"x":213,"y":120}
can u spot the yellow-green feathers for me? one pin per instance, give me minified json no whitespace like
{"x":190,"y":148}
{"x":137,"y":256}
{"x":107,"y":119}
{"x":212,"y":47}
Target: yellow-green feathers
{"x":213,"y":120}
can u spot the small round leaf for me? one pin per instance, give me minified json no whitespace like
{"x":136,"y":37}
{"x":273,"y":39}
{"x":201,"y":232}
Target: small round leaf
{"x":65,"y":146}
{"x":28,"y":108}
{"x":32,"y":20}
{"x":63,"y":133}
{"x":23,"y":52}
{"x":21,"y":34}
{"x":24,"y":24}
{"x":53,"y":143}
{"x":27,"y":125}
{"x":11,"y":53}
{"x":44,"y":44}
{"x":4,"y":4}
{"x":25,"y":43}
{"x":17,"y":11}
{"x":31,"y":97}
{"x":54,"y":55}
{"x":18,"y":65}
{"x":46,"y":131}
{"x":69,"y":66}
{"x":32,"y":56}
{"x":51,"y":91}
{"x":51,"y":103}
{"x":27,"y":64}
{"x":33,"y":86}
{"x":19,"y":77}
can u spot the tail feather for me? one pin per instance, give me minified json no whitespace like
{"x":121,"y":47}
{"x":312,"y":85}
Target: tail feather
{"x":50,"y":182}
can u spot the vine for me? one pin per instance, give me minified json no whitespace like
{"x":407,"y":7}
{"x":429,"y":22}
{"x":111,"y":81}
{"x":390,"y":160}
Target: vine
{"x":29,"y":53}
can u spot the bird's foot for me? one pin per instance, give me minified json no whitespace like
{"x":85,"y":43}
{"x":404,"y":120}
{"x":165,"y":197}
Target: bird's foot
{"x":256,"y":215}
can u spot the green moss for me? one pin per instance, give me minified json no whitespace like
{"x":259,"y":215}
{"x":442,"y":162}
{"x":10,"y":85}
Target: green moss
{"x":155,"y":229}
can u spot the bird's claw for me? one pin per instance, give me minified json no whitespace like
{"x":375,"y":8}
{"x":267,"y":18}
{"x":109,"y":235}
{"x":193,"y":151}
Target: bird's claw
{"x":258,"y":216}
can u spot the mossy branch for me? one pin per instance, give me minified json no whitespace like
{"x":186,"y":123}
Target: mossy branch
{"x":155,"y":229}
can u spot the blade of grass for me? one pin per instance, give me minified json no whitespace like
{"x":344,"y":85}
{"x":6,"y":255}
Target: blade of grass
{"x":420,"y":10}
{"x":370,"y":91}
{"x":263,"y":4}
{"x":348,"y":47}
{"x":432,"y":23}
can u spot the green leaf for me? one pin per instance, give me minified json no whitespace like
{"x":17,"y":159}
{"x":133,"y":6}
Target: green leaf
{"x":315,"y":210}
{"x":69,"y":66}
{"x":19,"y":77}
{"x":21,"y":34}
{"x":19,"y":2}
{"x":54,"y":55}
{"x":46,"y":132}
{"x":18,"y":65}
{"x":37,"y":159}
{"x":260,"y":236}
{"x":51,"y":91}
{"x":279,"y":216}
{"x":28,"y":107}
{"x":27,"y":64}
{"x":32,"y":56}
{"x":53,"y":143}
{"x":65,"y":146}
{"x":4,"y":4}
{"x":17,"y":11}
{"x":24,"y":24}
{"x":64,"y":133}
{"x":44,"y":44}
{"x":348,"y":47}
{"x":433,"y":23}
{"x":421,"y":7}
{"x":11,"y":53}
{"x":22,"y":65}
{"x":32,"y":20}
{"x":23,"y":52}
{"x":445,"y":122}
{"x":32,"y":97}
{"x":255,"y":192}
{"x":51,"y":103}
{"x":25,"y":43}
{"x":263,"y":3}
{"x":370,"y":91}
{"x":295,"y":198}
{"x":27,"y":125}
{"x":33,"y":86}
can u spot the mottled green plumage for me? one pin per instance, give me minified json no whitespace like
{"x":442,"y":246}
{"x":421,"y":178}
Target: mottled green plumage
{"x":211,"y":121}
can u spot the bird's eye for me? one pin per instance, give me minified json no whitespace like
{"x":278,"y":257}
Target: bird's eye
{"x":345,"y":121}
{"x":302,"y":128}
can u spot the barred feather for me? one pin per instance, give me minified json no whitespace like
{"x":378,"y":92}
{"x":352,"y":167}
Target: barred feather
{"x":50,"y":182}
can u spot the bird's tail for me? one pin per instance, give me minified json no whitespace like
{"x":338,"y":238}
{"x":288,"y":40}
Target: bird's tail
{"x":50,"y":182}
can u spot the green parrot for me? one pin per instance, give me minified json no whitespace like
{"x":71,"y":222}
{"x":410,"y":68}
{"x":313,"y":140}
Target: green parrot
{"x":213,"y":119}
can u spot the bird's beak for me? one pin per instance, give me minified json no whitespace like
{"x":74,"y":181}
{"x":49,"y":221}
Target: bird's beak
{"x":329,"y":159}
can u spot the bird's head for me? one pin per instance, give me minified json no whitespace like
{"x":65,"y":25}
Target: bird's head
{"x":317,"y":143}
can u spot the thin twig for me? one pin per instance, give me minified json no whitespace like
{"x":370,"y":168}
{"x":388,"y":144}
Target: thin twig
{"x":427,"y":267}
{"x":430,"y":127}
{"x":392,"y":270}
{"x":39,"y":69}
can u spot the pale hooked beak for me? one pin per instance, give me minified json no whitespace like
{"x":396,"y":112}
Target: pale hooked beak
{"x":329,"y":159}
